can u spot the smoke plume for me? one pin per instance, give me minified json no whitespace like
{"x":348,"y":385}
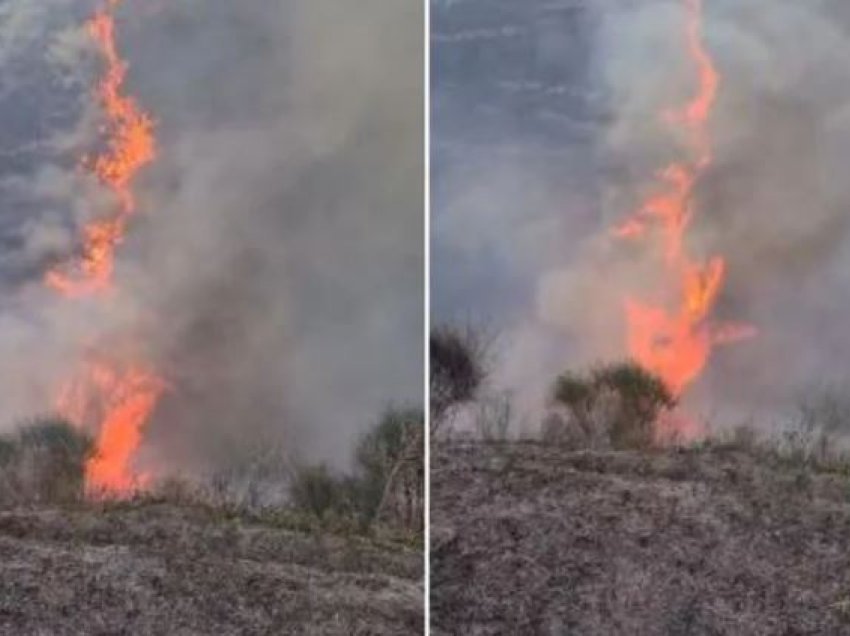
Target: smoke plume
{"x":274,"y":271}
{"x":568,"y":138}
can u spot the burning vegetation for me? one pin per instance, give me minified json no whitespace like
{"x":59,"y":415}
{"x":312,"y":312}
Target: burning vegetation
{"x":114,"y":396}
{"x":673,"y":333}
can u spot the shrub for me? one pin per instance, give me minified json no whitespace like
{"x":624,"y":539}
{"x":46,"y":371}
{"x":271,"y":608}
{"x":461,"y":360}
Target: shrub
{"x":615,"y":404}
{"x":387,"y":481}
{"x":457,"y":368}
{"x":250,"y":475}
{"x":61,"y":452}
{"x":390,"y":467}
{"x":45,"y":461}
{"x":818,"y":433}
{"x":640,"y":398}
{"x":578,"y":396}
{"x":316,"y":490}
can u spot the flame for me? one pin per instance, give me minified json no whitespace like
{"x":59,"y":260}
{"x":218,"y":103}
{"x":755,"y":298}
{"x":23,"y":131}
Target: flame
{"x":130,"y":147}
{"x":675,"y":338}
{"x":121,"y":398}
{"x":116,"y":393}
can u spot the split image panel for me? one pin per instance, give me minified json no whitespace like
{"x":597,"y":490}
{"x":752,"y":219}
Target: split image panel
{"x":638,"y":296}
{"x":211,"y":325}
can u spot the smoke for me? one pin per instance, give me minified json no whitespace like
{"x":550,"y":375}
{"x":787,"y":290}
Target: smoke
{"x":274,"y":274}
{"x":582,"y":137}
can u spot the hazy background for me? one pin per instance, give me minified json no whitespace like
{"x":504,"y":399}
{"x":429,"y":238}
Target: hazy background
{"x":275,"y":273}
{"x":546,"y":132}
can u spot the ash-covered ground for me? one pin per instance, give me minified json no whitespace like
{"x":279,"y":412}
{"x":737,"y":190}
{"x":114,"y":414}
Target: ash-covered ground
{"x":533,"y":539}
{"x":157,"y":568}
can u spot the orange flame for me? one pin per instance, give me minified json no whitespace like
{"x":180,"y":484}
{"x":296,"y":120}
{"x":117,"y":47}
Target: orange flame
{"x":130,"y":147}
{"x":121,"y":398}
{"x":118,"y":395}
{"x":675,"y":339}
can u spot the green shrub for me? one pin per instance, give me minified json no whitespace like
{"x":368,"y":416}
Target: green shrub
{"x":640,"y":396}
{"x":618,"y":403}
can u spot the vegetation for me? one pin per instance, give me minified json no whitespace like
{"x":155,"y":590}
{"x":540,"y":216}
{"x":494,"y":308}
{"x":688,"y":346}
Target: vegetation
{"x":169,"y":556}
{"x":605,"y":542}
{"x":804,"y":445}
{"x":390,"y":468}
{"x":316,"y":490}
{"x":818,"y":432}
{"x":44,"y":462}
{"x":458,"y":368}
{"x":614,"y":405}
{"x":682,"y":541}
{"x":289,"y":551}
{"x":386,"y":484}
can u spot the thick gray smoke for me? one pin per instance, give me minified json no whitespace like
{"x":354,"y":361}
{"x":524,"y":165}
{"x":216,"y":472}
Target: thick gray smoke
{"x":275,"y":272}
{"x":566,"y":142}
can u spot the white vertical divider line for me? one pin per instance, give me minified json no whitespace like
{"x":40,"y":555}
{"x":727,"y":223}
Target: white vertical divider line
{"x":426,"y":110}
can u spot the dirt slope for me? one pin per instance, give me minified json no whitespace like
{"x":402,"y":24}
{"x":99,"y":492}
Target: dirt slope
{"x":162,"y":569}
{"x":534,"y":540}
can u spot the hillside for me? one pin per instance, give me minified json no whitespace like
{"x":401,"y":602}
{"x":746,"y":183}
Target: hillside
{"x":156,"y":568}
{"x":538,"y":540}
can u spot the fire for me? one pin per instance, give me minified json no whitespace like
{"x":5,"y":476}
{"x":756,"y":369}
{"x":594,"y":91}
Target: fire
{"x":130,"y":147}
{"x":674,"y":337}
{"x":117,"y":393}
{"x":120,"y":397}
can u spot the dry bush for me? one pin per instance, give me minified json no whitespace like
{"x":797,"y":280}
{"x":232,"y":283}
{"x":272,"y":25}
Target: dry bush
{"x":44,"y":462}
{"x":615,"y":405}
{"x":254,"y":478}
{"x":818,"y":433}
{"x":390,"y":471}
{"x":458,"y":368}
{"x":387,"y":483}
{"x":316,"y":490}
{"x":385,"y":487}
{"x":816,"y":438}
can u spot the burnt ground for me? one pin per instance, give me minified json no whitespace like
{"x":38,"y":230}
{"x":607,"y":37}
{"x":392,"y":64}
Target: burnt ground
{"x":529,"y":539}
{"x":179,"y":570}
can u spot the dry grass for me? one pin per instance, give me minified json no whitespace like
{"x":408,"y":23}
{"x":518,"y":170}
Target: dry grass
{"x":187,"y":557}
{"x":723,"y":539}
{"x":152,"y":566}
